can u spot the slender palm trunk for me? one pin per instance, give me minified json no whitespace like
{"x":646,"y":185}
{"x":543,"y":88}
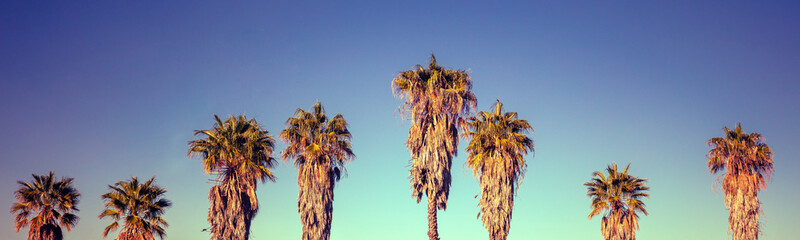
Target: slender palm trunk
{"x":433,"y":227}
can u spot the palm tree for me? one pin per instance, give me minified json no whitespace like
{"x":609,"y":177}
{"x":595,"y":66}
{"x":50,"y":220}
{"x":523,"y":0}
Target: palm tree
{"x":435,"y":100}
{"x":320,"y":148}
{"x":620,"y":195}
{"x":747,"y":163}
{"x":496,"y":149}
{"x":140,"y":205}
{"x":239,"y":153}
{"x":51,"y":202}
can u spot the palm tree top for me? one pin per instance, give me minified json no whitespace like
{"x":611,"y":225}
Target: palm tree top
{"x":421,"y":85}
{"x":49,"y":200}
{"x":617,"y":190}
{"x":741,"y":153}
{"x":140,"y":205}
{"x":236,"y":144}
{"x":49,"y":186}
{"x":505,"y":120}
{"x":497,"y":132}
{"x":311,"y":135}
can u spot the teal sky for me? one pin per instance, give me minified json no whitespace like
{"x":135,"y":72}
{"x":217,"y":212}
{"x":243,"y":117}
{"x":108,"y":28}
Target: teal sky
{"x":104,"y":91}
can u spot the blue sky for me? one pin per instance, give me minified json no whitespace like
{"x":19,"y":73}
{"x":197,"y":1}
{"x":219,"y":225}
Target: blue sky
{"x":108,"y":90}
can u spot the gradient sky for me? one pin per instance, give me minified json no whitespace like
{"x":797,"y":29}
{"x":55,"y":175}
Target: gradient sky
{"x":107,"y":90}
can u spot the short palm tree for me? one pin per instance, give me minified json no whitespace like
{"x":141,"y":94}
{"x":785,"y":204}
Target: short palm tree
{"x":496,"y":149}
{"x":52,"y":203}
{"x":436,"y":98}
{"x":239,"y":153}
{"x":747,"y":163}
{"x":140,"y":205}
{"x":620,"y":195}
{"x":320,"y":148}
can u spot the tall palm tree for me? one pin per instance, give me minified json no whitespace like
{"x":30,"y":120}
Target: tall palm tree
{"x":620,"y":195}
{"x":239,"y":153}
{"x":320,"y":148}
{"x":496,"y":149}
{"x":140,"y":205}
{"x":436,"y":98}
{"x":747,"y":163}
{"x":51,"y":202}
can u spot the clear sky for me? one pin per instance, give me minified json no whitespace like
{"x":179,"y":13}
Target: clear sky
{"x":107,"y":90}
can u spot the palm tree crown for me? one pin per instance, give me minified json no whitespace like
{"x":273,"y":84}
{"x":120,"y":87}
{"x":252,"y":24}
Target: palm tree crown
{"x":620,"y":195}
{"x":496,"y":149}
{"x":51,"y":202}
{"x":435,"y":99}
{"x":320,"y":148}
{"x":140,"y":205}
{"x":747,"y":163}
{"x":239,"y":153}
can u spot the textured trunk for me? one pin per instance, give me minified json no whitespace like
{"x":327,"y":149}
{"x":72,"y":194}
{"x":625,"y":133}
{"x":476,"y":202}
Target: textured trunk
{"x":45,"y":232}
{"x":744,"y":209}
{"x":497,"y":201}
{"x":130,"y":234}
{"x":433,"y":227}
{"x":233,"y":206}
{"x":315,"y":205}
{"x":618,"y":225}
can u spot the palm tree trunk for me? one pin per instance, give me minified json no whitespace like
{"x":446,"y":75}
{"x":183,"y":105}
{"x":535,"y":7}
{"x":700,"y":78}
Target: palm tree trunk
{"x":433,"y":227}
{"x":315,"y":204}
{"x":744,"y":208}
{"x":49,"y":231}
